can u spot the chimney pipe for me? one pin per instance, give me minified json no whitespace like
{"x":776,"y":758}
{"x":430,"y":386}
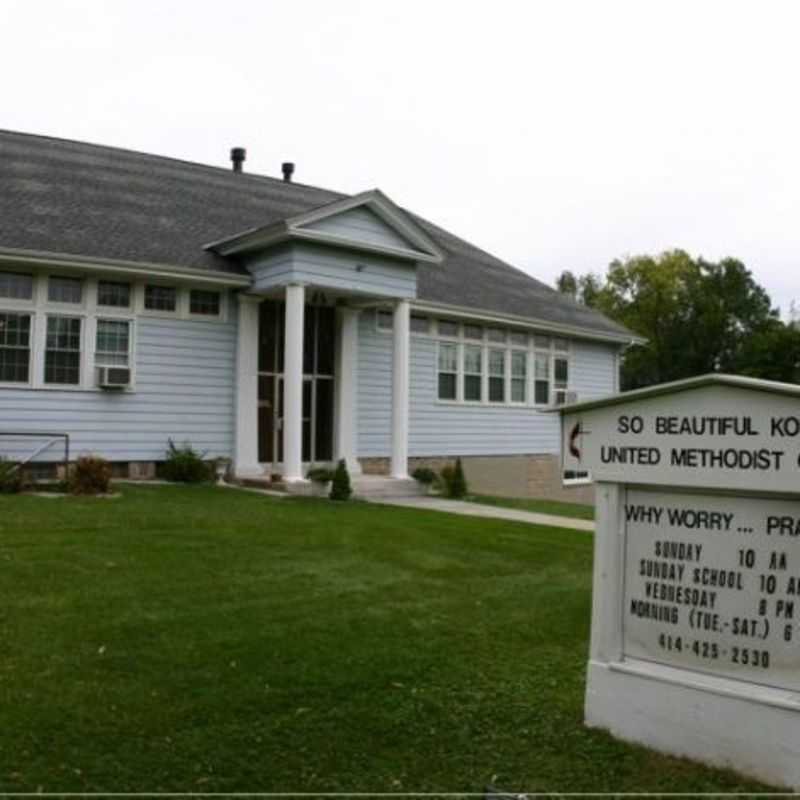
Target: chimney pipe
{"x":288,"y":169}
{"x":238,"y":155}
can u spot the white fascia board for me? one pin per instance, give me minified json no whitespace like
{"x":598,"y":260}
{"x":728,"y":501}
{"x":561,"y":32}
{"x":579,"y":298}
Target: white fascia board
{"x":42,"y":258}
{"x":533,"y":323}
{"x":685,"y":384}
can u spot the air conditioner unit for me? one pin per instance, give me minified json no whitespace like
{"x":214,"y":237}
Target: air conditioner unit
{"x":570,"y":398}
{"x":113,"y":377}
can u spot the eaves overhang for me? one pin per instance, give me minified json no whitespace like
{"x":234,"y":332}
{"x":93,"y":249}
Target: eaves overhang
{"x":623,"y":339}
{"x":43,"y":258}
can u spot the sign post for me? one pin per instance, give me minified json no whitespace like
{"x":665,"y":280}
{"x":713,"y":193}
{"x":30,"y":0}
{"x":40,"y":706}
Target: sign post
{"x":695,"y":644}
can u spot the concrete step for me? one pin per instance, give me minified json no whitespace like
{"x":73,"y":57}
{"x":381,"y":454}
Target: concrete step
{"x":367,"y":487}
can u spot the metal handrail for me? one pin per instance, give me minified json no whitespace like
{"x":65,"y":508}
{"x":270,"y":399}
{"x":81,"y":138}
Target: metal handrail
{"x":52,"y":439}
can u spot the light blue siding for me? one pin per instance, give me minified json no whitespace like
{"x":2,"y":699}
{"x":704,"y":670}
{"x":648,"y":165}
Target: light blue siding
{"x":359,"y":273}
{"x":361,"y":224}
{"x":185,"y":373}
{"x":446,"y":429}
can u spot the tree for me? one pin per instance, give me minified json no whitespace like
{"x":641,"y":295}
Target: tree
{"x":697,"y":316}
{"x":566,"y":283}
{"x":583,"y":289}
{"x":340,"y":485}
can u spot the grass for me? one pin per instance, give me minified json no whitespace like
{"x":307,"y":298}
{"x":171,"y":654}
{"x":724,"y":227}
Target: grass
{"x":558,"y":509}
{"x":211,"y":640}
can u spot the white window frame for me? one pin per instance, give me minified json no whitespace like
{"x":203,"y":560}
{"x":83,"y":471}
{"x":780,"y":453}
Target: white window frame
{"x":456,"y":373}
{"x":198,"y":315}
{"x":524,"y":378}
{"x":28,"y":311}
{"x":131,"y":322}
{"x":40,"y":309}
{"x":55,"y":312}
{"x":509,"y":347}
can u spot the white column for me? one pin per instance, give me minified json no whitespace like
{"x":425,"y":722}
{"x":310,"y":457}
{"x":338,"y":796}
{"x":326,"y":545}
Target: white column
{"x":293,"y":385}
{"x":346,"y":389}
{"x":400,"y":386}
{"x":246,"y":446}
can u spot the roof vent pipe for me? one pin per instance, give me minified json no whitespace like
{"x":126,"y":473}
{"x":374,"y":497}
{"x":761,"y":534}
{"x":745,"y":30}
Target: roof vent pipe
{"x":288,"y":169}
{"x":237,"y":157}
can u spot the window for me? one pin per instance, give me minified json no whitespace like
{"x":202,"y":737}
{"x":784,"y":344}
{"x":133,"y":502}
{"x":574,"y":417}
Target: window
{"x":497,"y":376}
{"x":160,"y":298}
{"x":62,"y":355}
{"x":419,"y":324}
{"x":117,"y":295}
{"x":542,"y":342}
{"x":497,"y":335}
{"x":385,"y":320}
{"x":561,"y":345}
{"x":15,"y":348}
{"x":518,"y":339}
{"x":542,"y":379}
{"x":473,"y":332}
{"x":560,"y":380}
{"x":447,"y":328}
{"x":64,"y":290}
{"x":519,"y":376}
{"x":204,"y":302}
{"x":112,"y":346}
{"x":448,"y":368}
{"x":473,"y":373}
{"x":16,"y":286}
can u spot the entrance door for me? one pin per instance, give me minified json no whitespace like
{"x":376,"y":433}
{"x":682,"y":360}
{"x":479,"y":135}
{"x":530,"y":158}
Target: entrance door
{"x":318,"y":382}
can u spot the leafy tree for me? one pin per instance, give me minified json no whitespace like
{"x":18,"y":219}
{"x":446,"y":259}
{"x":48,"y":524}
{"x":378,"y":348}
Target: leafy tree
{"x":697,"y":316}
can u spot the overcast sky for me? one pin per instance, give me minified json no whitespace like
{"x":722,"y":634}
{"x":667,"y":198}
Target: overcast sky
{"x":557,"y":135}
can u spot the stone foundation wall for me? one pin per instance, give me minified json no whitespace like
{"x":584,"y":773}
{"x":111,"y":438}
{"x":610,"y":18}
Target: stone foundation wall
{"x":536,"y":476}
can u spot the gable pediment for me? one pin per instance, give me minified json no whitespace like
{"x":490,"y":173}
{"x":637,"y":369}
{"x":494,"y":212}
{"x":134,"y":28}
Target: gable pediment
{"x":368,"y":221}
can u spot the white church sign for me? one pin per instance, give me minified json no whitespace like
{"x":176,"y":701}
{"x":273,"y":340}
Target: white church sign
{"x":695,"y":646}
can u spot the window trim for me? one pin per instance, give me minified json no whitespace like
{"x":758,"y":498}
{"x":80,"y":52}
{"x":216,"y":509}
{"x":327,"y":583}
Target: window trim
{"x":199,"y":315}
{"x":39,"y":309}
{"x":509,"y":347}
{"x":56,"y":313}
{"x":31,"y":314}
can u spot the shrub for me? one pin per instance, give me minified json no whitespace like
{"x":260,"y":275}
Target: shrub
{"x":89,"y":475}
{"x":424,"y":475}
{"x":185,"y":465}
{"x":320,"y":474}
{"x":340,"y":487}
{"x":453,"y":480}
{"x":12,"y":479}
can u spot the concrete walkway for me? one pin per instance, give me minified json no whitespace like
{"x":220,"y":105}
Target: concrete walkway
{"x":492,"y":512}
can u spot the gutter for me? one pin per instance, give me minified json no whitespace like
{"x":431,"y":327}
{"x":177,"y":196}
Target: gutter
{"x":43,"y":258}
{"x":623,"y":339}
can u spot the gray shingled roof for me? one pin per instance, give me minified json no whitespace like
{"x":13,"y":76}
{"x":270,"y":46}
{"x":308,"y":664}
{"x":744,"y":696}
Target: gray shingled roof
{"x":86,"y":200}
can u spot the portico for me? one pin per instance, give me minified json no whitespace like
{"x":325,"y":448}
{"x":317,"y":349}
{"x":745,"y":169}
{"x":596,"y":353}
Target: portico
{"x":297,"y":347}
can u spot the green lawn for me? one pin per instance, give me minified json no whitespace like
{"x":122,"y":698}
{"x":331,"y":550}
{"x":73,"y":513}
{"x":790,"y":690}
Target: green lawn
{"x":575,"y":510}
{"x":212,"y":640}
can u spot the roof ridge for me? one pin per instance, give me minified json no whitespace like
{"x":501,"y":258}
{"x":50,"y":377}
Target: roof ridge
{"x":172,"y":159}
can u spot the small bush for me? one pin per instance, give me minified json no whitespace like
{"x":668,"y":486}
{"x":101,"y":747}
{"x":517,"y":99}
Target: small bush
{"x":453,"y":480}
{"x":424,"y":475}
{"x":340,"y":487}
{"x":12,"y":480}
{"x":89,"y":475}
{"x":458,"y":488}
{"x":320,"y":474}
{"x":185,"y":465}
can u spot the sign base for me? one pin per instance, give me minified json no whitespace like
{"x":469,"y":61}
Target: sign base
{"x":750,"y":729}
